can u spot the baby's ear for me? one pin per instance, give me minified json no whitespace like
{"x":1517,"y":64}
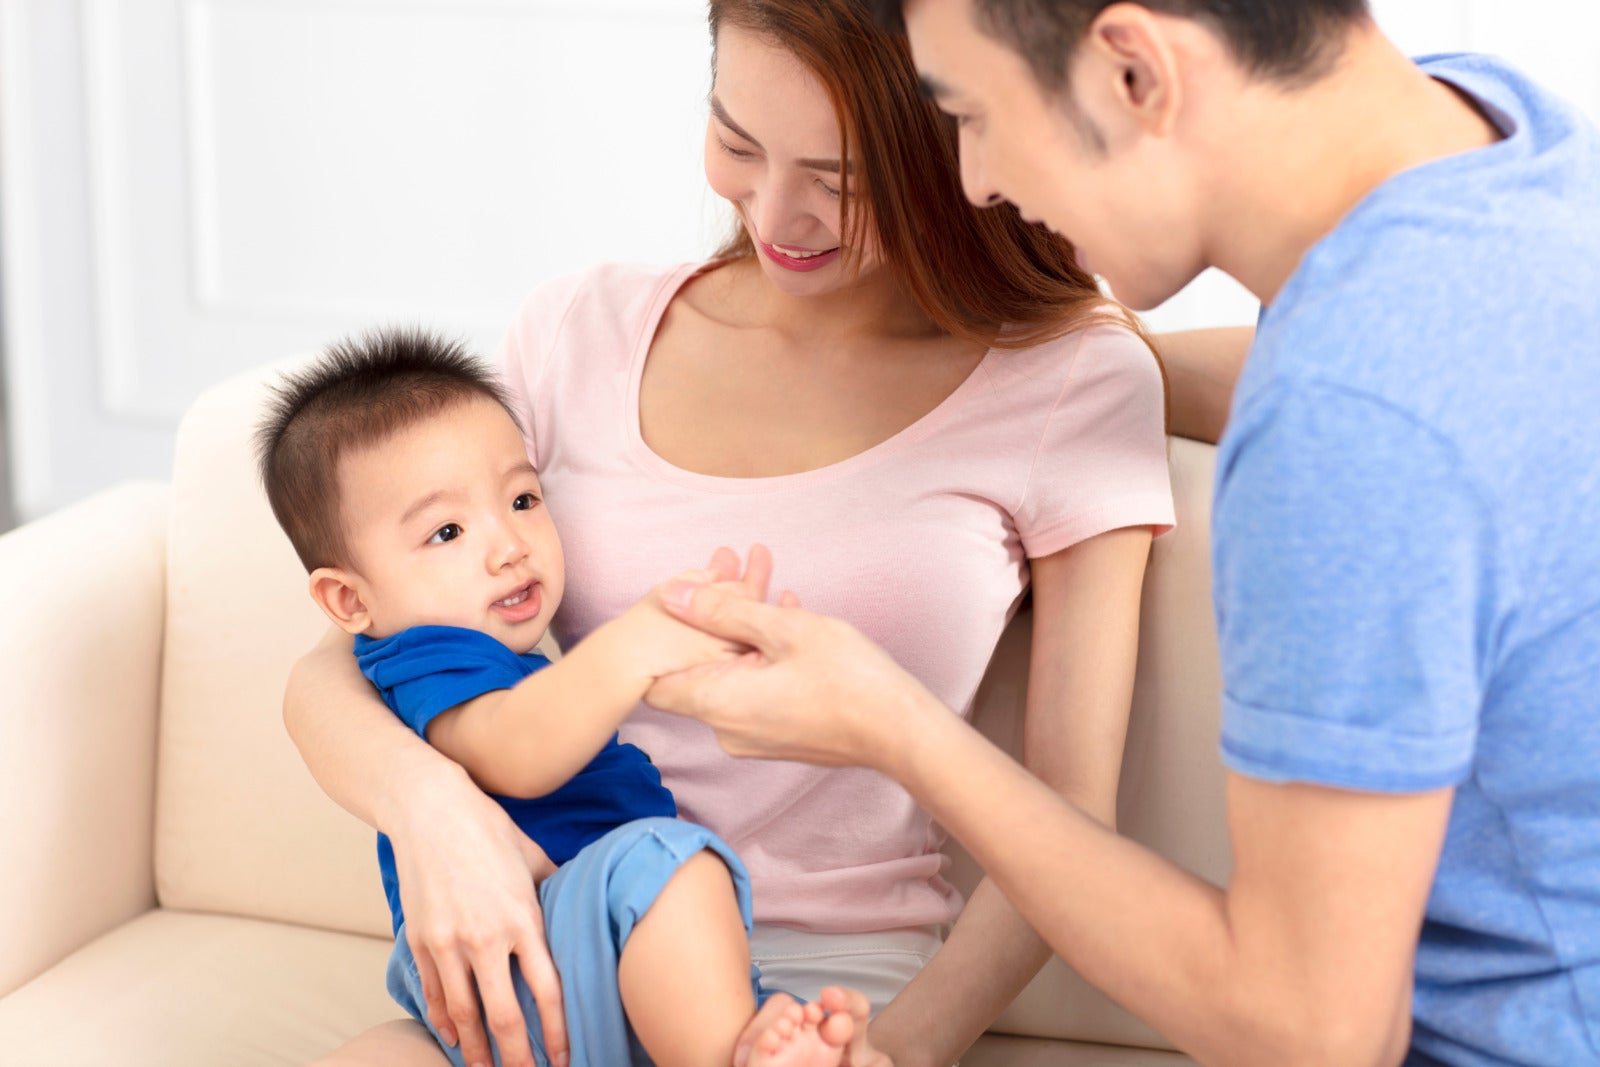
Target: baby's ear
{"x":334,"y":590}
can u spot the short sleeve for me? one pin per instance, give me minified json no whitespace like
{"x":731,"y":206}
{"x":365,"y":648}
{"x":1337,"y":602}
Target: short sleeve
{"x":425,"y":671}
{"x":525,"y":350}
{"x":1355,"y":588}
{"x":1101,"y":462}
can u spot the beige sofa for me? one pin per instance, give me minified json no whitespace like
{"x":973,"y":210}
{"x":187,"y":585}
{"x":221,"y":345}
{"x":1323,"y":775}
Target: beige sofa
{"x":180,"y":891}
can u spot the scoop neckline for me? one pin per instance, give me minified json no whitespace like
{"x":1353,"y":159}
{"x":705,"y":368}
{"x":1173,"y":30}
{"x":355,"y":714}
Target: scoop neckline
{"x":666,"y":291}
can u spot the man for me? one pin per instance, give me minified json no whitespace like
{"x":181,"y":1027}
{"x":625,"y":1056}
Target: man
{"x":1407,"y":579}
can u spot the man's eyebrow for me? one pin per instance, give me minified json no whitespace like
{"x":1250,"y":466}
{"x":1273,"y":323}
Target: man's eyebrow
{"x":723,"y":117}
{"x":932,"y":87}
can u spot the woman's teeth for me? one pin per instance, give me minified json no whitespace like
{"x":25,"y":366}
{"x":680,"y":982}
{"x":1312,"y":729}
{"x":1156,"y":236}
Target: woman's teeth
{"x":802,"y":255}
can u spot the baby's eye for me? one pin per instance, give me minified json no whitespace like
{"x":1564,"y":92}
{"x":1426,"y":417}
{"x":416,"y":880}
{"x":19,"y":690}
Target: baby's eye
{"x":525,"y":502}
{"x":448,"y":532}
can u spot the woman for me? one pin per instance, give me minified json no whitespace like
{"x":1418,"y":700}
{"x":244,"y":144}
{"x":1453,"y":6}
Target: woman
{"x":919,"y":405}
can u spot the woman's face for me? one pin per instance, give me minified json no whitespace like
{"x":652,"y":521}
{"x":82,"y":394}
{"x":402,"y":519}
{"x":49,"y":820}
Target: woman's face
{"x":772,"y":151}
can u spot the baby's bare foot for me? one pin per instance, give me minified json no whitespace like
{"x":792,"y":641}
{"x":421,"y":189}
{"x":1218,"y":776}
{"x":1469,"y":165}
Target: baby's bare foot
{"x":848,"y":1013}
{"x":796,"y":1038}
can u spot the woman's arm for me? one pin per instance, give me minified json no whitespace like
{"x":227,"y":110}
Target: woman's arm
{"x":1202,"y":368}
{"x":1080,"y":687}
{"x":467,"y":874}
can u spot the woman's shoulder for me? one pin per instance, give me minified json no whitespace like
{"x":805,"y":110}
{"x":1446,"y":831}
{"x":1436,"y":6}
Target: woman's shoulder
{"x":1103,"y":348}
{"x":606,"y":287}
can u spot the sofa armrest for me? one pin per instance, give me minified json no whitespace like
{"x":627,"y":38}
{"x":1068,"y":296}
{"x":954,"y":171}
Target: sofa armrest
{"x":81,"y":621}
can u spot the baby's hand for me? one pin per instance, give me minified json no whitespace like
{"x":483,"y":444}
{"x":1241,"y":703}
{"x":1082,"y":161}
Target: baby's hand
{"x":664,"y":644}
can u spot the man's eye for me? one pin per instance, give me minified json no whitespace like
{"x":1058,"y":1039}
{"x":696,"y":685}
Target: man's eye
{"x":448,"y":532}
{"x":525,"y":502}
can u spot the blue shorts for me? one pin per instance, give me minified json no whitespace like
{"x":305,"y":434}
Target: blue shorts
{"x":591,"y":905}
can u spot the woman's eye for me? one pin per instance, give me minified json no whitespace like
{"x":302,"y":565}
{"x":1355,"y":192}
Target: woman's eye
{"x":448,"y":532}
{"x":736,"y":153}
{"x":525,"y":502}
{"x":826,"y":188}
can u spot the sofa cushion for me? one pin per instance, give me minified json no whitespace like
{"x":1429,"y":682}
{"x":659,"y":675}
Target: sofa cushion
{"x":995,"y":1050}
{"x":171,"y":988}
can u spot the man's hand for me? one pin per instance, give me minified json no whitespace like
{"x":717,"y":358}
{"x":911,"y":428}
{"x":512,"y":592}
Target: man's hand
{"x":666,"y":645}
{"x":812,"y":688}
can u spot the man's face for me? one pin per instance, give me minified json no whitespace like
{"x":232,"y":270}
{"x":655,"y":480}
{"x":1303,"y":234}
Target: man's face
{"x":446,"y":526}
{"x":1086,"y":169}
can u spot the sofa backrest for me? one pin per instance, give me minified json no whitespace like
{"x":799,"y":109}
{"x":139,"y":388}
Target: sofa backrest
{"x":242,"y":829}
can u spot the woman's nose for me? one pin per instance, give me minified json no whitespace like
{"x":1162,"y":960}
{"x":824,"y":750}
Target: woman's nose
{"x":776,"y":206}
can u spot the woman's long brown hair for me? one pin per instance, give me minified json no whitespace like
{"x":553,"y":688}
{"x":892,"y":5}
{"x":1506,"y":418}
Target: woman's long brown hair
{"x":981,"y":274}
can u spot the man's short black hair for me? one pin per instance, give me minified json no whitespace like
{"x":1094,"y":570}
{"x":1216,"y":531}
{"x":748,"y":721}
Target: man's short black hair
{"x":1287,"y":40}
{"x":360,"y":392}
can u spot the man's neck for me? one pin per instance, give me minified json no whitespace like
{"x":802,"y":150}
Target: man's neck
{"x":1302,"y":158}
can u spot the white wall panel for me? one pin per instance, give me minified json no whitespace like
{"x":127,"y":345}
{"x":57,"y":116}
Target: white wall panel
{"x":191,"y":187}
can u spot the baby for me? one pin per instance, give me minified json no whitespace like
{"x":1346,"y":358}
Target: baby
{"x":398,"y":471}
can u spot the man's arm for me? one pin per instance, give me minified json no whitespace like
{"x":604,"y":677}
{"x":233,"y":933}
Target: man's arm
{"x":1306,"y":958}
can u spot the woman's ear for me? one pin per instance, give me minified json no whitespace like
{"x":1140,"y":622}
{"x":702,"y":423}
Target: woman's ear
{"x":334,"y":590}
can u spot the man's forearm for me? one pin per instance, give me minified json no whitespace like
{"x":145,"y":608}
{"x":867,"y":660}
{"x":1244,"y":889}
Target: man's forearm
{"x":1152,"y":936}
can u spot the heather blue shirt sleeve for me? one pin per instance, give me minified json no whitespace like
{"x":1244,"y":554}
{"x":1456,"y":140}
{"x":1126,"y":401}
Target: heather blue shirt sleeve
{"x":425,"y":671}
{"x":1355,"y":584}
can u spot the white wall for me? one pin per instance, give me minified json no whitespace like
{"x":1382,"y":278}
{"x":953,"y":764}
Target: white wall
{"x":192,"y":187}
{"x":1557,"y":41}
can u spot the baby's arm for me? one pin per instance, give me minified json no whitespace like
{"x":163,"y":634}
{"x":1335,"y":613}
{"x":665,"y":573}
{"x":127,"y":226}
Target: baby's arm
{"x":530,"y":740}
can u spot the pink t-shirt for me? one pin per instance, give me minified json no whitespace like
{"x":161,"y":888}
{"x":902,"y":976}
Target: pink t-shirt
{"x":921,"y":542}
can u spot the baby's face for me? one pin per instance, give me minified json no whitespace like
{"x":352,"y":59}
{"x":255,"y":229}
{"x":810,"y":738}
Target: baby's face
{"x":446,"y":526}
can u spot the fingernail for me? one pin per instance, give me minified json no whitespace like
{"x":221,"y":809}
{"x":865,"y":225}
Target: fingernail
{"x":449,"y":1036}
{"x":678,"y":594}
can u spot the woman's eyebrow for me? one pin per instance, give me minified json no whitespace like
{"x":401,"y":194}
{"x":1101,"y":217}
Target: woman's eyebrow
{"x":723,"y":117}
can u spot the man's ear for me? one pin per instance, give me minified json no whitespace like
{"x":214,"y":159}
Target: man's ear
{"x":1136,"y":52}
{"x":334,"y":590}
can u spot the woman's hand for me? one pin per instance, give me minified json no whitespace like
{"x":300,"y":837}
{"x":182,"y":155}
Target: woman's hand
{"x":469,"y":885}
{"x":813,"y":689}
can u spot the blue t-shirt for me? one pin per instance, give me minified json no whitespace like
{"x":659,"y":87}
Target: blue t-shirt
{"x":427,"y":670}
{"x":1407,"y":556}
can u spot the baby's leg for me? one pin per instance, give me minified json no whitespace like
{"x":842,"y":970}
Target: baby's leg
{"x":685,"y":982}
{"x":685,"y":971}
